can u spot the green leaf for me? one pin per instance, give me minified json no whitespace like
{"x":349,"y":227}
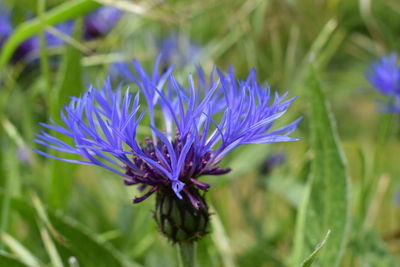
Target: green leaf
{"x":242,"y":161}
{"x":70,"y":84}
{"x":221,"y":240}
{"x":50,"y":248}
{"x":84,"y":246}
{"x":70,"y":74}
{"x":307,"y":262}
{"x":63,"y":12}
{"x":370,"y":250}
{"x":23,"y":253}
{"x":9,"y":261}
{"x":326,"y":199}
{"x":71,"y":238}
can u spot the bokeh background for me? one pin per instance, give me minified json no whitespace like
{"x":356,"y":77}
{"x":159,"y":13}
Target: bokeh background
{"x":54,"y":212}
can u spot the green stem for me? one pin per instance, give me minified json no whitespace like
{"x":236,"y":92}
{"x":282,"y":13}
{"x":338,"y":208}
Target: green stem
{"x":11,"y":187}
{"x":44,"y":63}
{"x":5,"y":208}
{"x":187,"y":254}
{"x":372,"y":182}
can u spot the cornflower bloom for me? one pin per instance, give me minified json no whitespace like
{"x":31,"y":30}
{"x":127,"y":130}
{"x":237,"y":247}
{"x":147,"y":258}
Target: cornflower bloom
{"x":201,"y":124}
{"x":385,"y":77}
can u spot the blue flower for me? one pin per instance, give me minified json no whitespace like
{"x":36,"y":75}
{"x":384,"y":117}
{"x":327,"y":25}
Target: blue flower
{"x":200,"y":125}
{"x":385,"y":77}
{"x":6,"y":28}
{"x":100,"y":22}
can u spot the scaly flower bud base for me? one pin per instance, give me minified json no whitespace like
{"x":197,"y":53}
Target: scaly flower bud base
{"x":178,"y":219}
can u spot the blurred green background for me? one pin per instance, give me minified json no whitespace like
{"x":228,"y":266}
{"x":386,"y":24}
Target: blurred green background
{"x":52,"y":211}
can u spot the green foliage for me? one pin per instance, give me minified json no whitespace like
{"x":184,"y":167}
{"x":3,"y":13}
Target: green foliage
{"x":372,"y":251}
{"x":310,"y":259}
{"x":69,"y":83}
{"x":326,"y":200}
{"x":8,"y":260}
{"x":70,"y":237}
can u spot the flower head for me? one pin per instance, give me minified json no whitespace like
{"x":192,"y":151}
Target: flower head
{"x":385,"y":77}
{"x":200,"y":124}
{"x":101,"y":21}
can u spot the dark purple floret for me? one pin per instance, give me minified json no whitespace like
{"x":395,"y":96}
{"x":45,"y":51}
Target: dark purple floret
{"x":156,"y":179}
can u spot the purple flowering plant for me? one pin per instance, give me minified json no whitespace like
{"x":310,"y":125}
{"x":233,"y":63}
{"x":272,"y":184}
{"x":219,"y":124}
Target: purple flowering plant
{"x":385,"y":77}
{"x":201,"y":124}
{"x":96,"y":24}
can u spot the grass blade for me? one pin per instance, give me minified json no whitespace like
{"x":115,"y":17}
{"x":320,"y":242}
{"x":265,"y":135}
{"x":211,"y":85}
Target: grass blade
{"x":221,"y":240}
{"x":51,"y":248}
{"x":23,"y":253}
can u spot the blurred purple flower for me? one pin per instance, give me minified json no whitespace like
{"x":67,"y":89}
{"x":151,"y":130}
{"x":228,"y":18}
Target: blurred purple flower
{"x":6,"y":28}
{"x":26,"y":48}
{"x":66,"y":28}
{"x":100,"y":22}
{"x":179,"y":50}
{"x":202,"y":123}
{"x":96,"y":24}
{"x":24,"y":154}
{"x":273,"y":161}
{"x":31,"y":45}
{"x":385,"y":77}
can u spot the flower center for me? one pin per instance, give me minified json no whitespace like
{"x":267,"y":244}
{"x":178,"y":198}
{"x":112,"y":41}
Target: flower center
{"x":194,"y":166}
